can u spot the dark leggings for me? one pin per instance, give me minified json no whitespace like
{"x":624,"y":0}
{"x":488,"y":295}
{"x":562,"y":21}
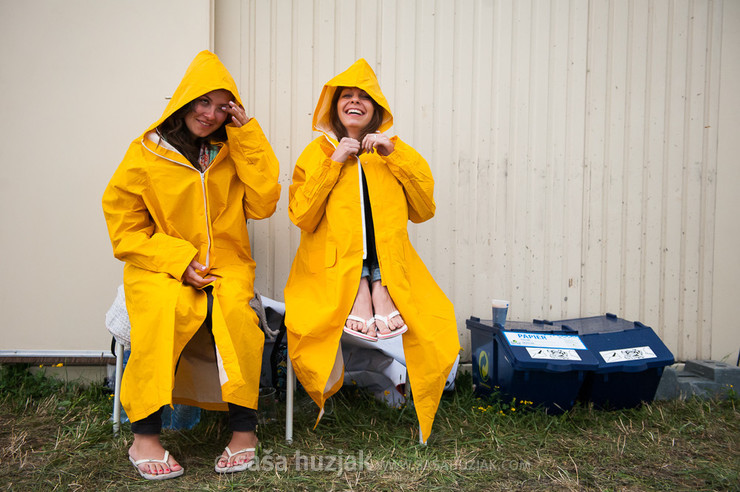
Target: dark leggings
{"x":241,"y":419}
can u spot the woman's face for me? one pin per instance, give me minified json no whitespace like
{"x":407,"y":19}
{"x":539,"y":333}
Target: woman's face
{"x":355,"y":110}
{"x":207,"y":113}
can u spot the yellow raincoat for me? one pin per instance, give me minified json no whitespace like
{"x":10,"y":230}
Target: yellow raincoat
{"x":162,"y":213}
{"x":326,"y":203}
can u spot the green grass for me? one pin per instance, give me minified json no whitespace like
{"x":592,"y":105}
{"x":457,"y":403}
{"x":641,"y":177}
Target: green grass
{"x":56,"y":436}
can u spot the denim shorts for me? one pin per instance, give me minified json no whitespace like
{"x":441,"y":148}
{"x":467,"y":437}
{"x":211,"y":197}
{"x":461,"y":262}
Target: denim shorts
{"x":371,"y":270}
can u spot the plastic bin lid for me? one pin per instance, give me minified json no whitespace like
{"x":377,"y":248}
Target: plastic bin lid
{"x":538,"y":346}
{"x":621,"y":345}
{"x":608,"y":323}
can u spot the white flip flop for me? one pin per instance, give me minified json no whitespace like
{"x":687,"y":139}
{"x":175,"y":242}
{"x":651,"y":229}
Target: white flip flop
{"x":359,"y":334}
{"x":159,"y":476}
{"x":236,"y":468}
{"x":394,"y":333}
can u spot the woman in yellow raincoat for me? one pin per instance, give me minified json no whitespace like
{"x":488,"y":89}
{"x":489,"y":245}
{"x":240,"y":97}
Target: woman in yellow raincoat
{"x":353,"y":192}
{"x":177,"y":210}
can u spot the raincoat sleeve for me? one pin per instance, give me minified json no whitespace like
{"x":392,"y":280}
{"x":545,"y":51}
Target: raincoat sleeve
{"x":132,"y":230}
{"x":314,"y":176}
{"x":412,"y":171}
{"x":257,"y":167}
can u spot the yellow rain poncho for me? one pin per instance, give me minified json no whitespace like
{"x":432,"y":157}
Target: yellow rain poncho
{"x":161,"y":214}
{"x":326,"y":203}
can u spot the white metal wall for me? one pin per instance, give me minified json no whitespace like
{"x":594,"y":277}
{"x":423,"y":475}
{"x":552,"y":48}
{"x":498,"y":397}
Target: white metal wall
{"x":573,"y":142}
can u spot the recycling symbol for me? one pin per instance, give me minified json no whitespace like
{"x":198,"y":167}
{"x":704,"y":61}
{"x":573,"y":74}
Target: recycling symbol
{"x":483,"y":365}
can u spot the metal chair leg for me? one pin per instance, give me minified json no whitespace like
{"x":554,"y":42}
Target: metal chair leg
{"x":289,"y":390}
{"x":117,"y":389}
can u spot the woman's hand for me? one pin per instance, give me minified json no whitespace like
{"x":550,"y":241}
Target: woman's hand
{"x":373,"y":141}
{"x":238,"y":114}
{"x":347,"y":146}
{"x":193,"y":278}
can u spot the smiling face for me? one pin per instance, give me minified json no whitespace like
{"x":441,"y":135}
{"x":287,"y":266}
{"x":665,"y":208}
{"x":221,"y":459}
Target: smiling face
{"x":207,"y":114}
{"x":355,"y":110}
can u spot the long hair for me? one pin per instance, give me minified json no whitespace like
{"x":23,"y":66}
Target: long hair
{"x":175,"y":132}
{"x":340,"y":131}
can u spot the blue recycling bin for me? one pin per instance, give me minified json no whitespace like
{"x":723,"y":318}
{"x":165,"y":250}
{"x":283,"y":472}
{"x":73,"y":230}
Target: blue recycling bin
{"x":631,"y":358}
{"x":536,"y":362}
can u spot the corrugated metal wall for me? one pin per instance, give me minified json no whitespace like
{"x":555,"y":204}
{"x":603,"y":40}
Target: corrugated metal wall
{"x":573,"y":143}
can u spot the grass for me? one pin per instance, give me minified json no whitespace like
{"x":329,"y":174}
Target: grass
{"x":56,"y":436}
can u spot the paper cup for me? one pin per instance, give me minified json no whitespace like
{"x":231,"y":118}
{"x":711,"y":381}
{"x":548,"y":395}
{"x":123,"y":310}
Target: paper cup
{"x":499,"y":309}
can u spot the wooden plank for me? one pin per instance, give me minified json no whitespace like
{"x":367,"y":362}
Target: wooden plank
{"x":556,"y":163}
{"x":708,"y":219}
{"x":652,"y":285}
{"x":464,"y":183}
{"x":501,"y":243}
{"x":538,"y":193}
{"x":484,"y":260}
{"x":635,"y":173}
{"x":593,"y":248}
{"x":673,"y":173}
{"x":574,"y":190}
{"x":693,"y":179}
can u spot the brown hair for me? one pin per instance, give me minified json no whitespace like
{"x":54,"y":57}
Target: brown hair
{"x":175,"y":132}
{"x":340,"y":131}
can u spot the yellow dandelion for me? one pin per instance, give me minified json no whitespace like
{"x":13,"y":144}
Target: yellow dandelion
{"x":513,"y":409}
{"x":58,"y":365}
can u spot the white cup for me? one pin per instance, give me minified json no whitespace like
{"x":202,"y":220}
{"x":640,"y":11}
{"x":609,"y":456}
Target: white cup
{"x":499,"y":307}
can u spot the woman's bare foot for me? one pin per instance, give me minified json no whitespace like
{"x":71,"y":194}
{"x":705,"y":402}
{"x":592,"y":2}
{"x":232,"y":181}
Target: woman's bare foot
{"x":363,"y":309}
{"x":239,"y":441}
{"x":148,"y":446}
{"x":383,"y":305}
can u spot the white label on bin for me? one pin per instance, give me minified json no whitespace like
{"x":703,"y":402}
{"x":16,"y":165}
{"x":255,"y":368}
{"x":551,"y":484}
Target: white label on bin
{"x":628,"y":354}
{"x":553,"y":354}
{"x":544,"y":340}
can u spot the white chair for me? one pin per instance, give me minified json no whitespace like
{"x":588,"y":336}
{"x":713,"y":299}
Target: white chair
{"x":117,"y":388}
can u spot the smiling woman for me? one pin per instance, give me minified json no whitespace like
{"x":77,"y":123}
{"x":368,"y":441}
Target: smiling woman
{"x":208,"y":112}
{"x":356,"y":273}
{"x":354,"y":113}
{"x":189,"y":128}
{"x":177,"y":210}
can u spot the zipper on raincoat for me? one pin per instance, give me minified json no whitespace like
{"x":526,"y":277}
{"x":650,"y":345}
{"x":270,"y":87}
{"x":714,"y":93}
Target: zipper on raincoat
{"x":205,"y":199}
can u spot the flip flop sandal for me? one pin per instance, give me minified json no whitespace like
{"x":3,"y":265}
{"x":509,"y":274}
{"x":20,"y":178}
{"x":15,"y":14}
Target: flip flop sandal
{"x":359,"y":334}
{"x":394,"y":333}
{"x":236,"y":468}
{"x":160,"y":476}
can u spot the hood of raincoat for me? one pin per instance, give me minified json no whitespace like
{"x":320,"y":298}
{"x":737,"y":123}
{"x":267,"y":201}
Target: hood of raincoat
{"x":206,"y":73}
{"x":359,"y":75}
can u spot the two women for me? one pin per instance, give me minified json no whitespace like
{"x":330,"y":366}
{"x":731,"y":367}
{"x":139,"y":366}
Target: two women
{"x":353,"y":192}
{"x":177,"y":210}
